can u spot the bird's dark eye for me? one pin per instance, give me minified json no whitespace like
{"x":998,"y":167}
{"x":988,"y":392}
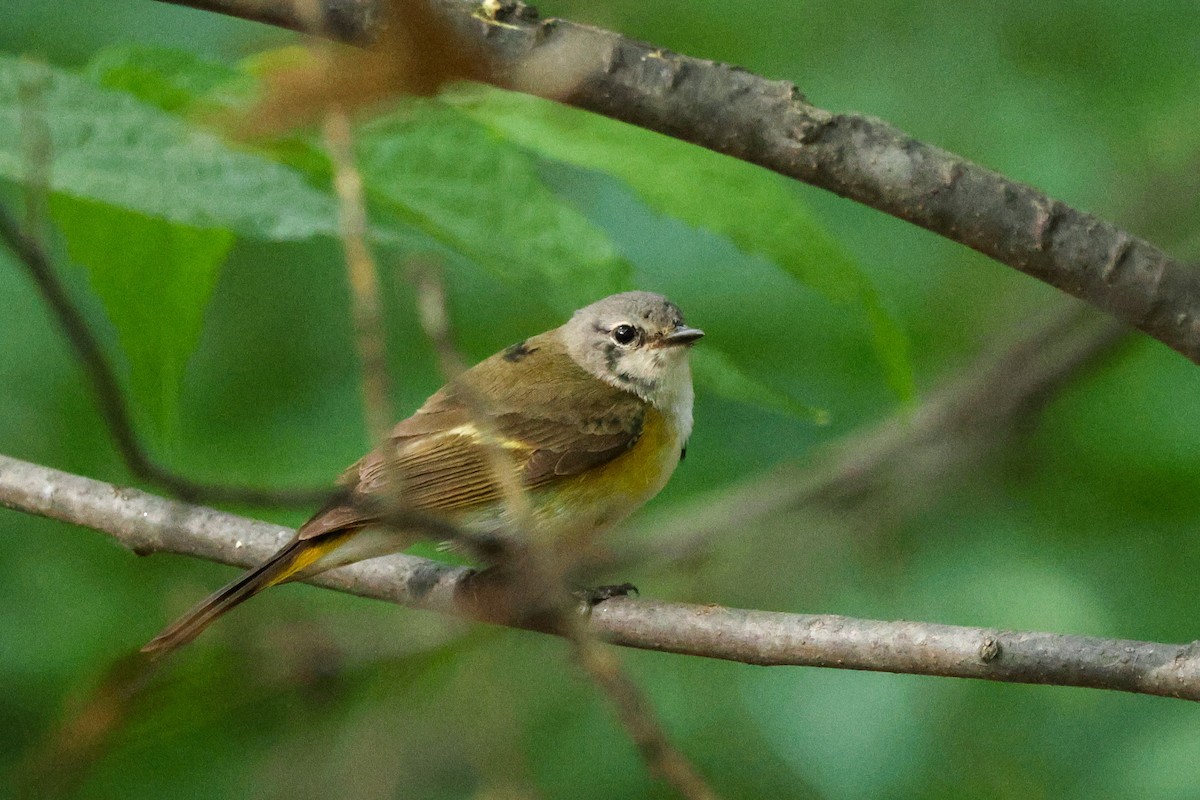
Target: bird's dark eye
{"x":624,"y":334}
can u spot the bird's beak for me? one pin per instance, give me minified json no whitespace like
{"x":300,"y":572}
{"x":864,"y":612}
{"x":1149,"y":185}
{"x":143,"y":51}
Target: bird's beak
{"x":682,"y":335}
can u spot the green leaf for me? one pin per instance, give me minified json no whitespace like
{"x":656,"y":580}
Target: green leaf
{"x":756,"y":209}
{"x":721,"y":375}
{"x":155,"y":279}
{"x":108,"y":147}
{"x":891,"y":346}
{"x":172,"y":80}
{"x":187,"y":85}
{"x":479,"y":195}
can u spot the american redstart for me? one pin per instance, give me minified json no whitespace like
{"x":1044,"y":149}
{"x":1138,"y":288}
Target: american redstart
{"x":593,"y":416}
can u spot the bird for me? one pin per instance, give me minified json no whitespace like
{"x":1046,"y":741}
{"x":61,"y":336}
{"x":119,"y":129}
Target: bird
{"x":593,"y":416}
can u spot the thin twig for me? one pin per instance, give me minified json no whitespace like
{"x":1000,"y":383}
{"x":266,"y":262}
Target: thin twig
{"x":107,"y":392}
{"x":26,"y":244}
{"x":365,"y":305}
{"x":58,"y":766}
{"x":534,"y":575}
{"x":733,"y":111}
{"x":637,"y":716}
{"x":146,"y":524}
{"x":36,"y":155}
{"x":909,"y":456}
{"x":435,"y":322}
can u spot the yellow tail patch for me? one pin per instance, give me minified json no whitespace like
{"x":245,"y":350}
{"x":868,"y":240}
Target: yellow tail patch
{"x":310,"y":554}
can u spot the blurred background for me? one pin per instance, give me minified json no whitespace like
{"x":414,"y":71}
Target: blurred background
{"x":1075,"y":513}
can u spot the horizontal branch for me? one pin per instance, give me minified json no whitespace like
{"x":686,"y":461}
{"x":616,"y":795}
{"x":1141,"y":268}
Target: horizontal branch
{"x":733,"y":111}
{"x":148,"y":524}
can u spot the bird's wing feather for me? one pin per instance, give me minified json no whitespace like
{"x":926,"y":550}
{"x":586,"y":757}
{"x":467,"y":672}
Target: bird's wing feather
{"x":436,"y":460}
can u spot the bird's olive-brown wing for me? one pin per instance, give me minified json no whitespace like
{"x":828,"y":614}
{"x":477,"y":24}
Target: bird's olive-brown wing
{"x":435,"y":461}
{"x":450,"y":467}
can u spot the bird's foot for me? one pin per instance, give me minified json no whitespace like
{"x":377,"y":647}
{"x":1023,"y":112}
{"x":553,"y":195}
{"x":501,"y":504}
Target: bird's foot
{"x":594,"y":596}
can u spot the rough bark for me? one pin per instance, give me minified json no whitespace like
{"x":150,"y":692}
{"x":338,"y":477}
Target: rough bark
{"x":770,"y":123}
{"x":147,"y":524}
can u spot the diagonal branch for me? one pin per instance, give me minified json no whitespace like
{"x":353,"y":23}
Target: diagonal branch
{"x":535,"y":567}
{"x":107,"y":390}
{"x":148,"y":524}
{"x":769,"y":123}
{"x":362,"y":271}
{"x":905,"y":460}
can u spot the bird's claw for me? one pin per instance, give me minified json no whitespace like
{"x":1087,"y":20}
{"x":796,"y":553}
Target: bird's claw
{"x":594,"y":596}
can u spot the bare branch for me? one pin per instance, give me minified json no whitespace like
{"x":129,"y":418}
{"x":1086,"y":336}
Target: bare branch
{"x":435,"y":322}
{"x":26,"y":244}
{"x":363,"y":272}
{"x":905,"y":459}
{"x":536,"y":574}
{"x":107,"y":389}
{"x":148,"y":524}
{"x":769,"y":123}
{"x":638,"y":717}
{"x":351,"y":21}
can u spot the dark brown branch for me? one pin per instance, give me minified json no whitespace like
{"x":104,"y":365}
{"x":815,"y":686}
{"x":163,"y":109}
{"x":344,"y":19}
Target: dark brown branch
{"x":769,"y":123}
{"x":107,"y":390}
{"x":148,"y":524}
{"x":344,"y":20}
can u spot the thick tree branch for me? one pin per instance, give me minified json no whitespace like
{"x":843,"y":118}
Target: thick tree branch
{"x":769,"y":123}
{"x":148,"y":524}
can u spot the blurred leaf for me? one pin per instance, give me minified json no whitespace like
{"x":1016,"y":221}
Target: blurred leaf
{"x":891,"y":344}
{"x":719,"y":373}
{"x":755,"y":208}
{"x":187,"y":85}
{"x":108,"y":147}
{"x":477,"y":194}
{"x":172,"y":80}
{"x":266,"y":62}
{"x":888,"y":718}
{"x":155,"y":279}
{"x":1103,"y":493}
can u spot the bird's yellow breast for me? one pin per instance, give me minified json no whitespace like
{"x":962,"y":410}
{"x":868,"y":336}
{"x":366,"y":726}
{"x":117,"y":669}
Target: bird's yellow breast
{"x":605,"y":495}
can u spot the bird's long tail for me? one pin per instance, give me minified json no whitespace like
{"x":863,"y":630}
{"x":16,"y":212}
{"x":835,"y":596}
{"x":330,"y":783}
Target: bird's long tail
{"x":291,"y":560}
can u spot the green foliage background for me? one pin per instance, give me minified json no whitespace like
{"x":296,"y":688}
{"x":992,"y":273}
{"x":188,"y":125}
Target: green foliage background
{"x":211,"y":272}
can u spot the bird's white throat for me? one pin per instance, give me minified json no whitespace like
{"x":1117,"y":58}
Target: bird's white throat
{"x":660,"y":376}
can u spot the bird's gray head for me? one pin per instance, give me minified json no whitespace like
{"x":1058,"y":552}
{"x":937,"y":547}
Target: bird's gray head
{"x":637,"y":341}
